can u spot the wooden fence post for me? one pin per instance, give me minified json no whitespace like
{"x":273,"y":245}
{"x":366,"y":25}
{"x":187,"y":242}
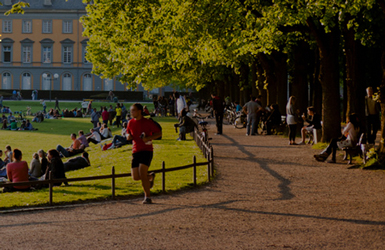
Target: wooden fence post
{"x":163,"y":177}
{"x":113,"y":183}
{"x":50,"y":188}
{"x":212,"y":160}
{"x":195,"y":170}
{"x":208,"y":169}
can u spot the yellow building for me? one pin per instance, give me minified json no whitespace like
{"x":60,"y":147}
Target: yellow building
{"x":44,"y":49}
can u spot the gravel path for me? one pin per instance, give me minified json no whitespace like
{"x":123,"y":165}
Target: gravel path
{"x":267,"y":195}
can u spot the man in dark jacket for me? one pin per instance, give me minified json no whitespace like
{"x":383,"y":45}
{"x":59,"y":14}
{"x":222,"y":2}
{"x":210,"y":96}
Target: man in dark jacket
{"x":186,"y":125}
{"x":218,"y":108}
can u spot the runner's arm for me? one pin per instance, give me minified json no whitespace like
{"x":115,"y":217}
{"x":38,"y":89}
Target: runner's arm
{"x":152,"y":137}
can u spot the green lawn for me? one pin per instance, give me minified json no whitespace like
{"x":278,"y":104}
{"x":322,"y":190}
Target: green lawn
{"x":53,"y":132}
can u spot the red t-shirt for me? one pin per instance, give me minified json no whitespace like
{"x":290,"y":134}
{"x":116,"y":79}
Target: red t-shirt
{"x":18,"y":172}
{"x":105,"y":115}
{"x":136,"y":128}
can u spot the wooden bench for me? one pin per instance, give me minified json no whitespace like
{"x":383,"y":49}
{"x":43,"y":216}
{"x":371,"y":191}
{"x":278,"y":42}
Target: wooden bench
{"x":359,"y":149}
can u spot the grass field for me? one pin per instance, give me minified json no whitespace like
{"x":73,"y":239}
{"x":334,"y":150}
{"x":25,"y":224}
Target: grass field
{"x":50,"y":133}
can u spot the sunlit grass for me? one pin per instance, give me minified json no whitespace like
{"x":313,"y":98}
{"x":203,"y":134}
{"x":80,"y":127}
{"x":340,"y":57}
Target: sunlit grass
{"x":53,"y":132}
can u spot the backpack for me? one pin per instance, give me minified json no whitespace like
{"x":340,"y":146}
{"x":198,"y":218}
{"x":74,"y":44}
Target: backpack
{"x":158,"y":125}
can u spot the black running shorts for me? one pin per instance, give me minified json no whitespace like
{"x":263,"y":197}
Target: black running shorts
{"x":142,"y":157}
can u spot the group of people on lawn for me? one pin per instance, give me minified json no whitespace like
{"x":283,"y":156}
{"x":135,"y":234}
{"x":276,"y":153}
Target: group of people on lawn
{"x":139,"y":131}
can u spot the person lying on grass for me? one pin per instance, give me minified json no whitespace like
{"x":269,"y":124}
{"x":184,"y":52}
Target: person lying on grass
{"x":118,"y":140}
{"x":77,"y":163}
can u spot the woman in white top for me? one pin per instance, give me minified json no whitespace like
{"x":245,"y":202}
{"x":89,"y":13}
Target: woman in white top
{"x":291,"y":119}
{"x":349,"y":138}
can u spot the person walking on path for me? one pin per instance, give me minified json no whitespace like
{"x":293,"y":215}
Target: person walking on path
{"x":372,"y":113}
{"x":291,"y":119}
{"x":57,"y":104}
{"x":218,"y":108}
{"x":251,"y":108}
{"x":142,"y":131}
{"x":44,"y":105}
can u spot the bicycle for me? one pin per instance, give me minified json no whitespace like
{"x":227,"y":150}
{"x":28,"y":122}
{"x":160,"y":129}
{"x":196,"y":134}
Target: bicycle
{"x":240,"y":121}
{"x":203,"y":124}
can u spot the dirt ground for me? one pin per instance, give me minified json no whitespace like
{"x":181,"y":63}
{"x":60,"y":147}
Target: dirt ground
{"x":267,"y":195}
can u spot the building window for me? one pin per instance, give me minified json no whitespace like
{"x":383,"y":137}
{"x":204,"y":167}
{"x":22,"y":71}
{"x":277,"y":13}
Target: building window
{"x":84,"y":55}
{"x":26,"y":83}
{"x":108,"y":84}
{"x":27,"y":26}
{"x":87,"y":82}
{"x":67,"y":54}
{"x":46,"y":82}
{"x":27,"y":51}
{"x":67,"y":26}
{"x":47,"y":26}
{"x":67,"y":82}
{"x":7,"y":54}
{"x":7,"y":26}
{"x":6,"y":81}
{"x":47,"y":55}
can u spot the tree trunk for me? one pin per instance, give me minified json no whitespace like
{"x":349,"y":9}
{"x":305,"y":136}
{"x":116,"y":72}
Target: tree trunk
{"x":329,"y":44}
{"x":382,"y":100}
{"x":280,"y":65}
{"x":299,"y":84}
{"x":354,"y":77}
{"x":317,"y":88}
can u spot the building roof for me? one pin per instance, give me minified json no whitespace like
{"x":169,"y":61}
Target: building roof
{"x":47,"y":4}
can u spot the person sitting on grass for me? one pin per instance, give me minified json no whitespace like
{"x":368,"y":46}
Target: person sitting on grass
{"x":2,"y":164}
{"x":349,"y":138}
{"x":83,"y":140}
{"x":43,"y":161}
{"x":5,"y":126}
{"x":13,"y":125}
{"x":17,"y":171}
{"x":72,"y":150}
{"x":10,"y":118}
{"x":105,"y":132}
{"x":55,"y":166}
{"x":8,"y":154}
{"x":118,"y":140}
{"x":314,"y":123}
{"x":23,"y":125}
{"x":94,"y":137}
{"x":35,"y":167}
{"x":186,"y":125}
{"x":77,"y":163}
{"x":29,"y":126}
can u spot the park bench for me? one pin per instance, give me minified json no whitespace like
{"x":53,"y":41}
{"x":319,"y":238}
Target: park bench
{"x":359,"y":149}
{"x":314,"y":135}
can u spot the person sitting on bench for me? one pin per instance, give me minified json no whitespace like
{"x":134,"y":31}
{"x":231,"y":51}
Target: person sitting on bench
{"x":186,"y":125}
{"x":314,"y":123}
{"x":348,"y":139}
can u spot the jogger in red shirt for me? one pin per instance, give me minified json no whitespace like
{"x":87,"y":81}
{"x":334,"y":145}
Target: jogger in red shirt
{"x":142,"y":131}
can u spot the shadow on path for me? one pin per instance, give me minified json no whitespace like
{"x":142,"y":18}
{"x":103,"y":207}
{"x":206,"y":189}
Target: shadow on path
{"x":219,"y":206}
{"x":284,"y":183}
